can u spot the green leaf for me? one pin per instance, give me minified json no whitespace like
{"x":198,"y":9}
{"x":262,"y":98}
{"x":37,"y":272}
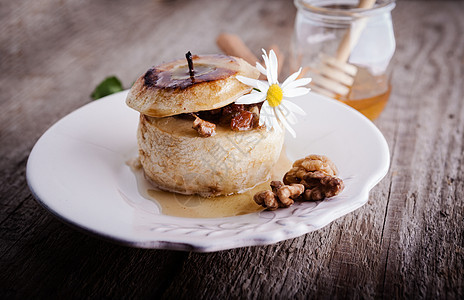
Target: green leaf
{"x":107,"y":87}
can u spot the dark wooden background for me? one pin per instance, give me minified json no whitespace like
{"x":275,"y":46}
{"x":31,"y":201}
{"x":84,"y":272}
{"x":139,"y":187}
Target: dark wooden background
{"x":406,"y":242}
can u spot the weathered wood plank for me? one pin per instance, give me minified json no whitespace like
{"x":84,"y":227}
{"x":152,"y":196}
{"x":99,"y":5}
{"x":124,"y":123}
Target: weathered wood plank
{"x":407,"y":241}
{"x":430,"y":155}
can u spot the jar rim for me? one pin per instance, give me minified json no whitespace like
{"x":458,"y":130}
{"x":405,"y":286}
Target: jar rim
{"x":319,"y":7}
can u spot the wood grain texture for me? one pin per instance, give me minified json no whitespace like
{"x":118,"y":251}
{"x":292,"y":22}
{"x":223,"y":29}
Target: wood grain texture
{"x":406,"y":242}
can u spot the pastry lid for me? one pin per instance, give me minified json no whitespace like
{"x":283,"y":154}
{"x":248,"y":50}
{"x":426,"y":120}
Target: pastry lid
{"x":168,"y":89}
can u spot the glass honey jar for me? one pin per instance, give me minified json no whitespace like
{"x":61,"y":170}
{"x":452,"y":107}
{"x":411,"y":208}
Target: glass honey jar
{"x":346,"y":47}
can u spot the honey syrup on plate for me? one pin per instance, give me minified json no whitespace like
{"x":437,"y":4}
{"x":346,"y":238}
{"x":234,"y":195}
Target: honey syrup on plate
{"x":195,"y":206}
{"x":369,"y":94}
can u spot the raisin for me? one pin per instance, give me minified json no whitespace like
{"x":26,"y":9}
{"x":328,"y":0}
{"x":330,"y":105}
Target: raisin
{"x":242,"y":121}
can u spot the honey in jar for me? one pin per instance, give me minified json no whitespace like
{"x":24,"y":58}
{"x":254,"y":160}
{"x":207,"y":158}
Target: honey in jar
{"x":369,"y":94}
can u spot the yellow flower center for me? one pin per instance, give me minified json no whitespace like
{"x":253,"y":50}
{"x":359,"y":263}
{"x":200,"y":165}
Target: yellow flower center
{"x":274,"y":95}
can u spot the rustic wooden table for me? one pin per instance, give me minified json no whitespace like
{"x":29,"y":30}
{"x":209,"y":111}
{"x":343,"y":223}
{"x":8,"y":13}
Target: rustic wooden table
{"x":406,"y":242}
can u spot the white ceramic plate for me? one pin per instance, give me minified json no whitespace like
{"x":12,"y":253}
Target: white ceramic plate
{"x":77,"y":170}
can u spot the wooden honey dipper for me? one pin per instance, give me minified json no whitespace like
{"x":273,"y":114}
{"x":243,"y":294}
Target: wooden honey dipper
{"x":335,"y":76}
{"x":233,"y":45}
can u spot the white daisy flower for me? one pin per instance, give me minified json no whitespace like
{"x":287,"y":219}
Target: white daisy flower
{"x":277,"y":109}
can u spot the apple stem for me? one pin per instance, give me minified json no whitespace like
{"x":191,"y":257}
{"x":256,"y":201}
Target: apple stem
{"x":188,"y":56}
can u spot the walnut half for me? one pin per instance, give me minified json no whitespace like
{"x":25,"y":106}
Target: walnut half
{"x":319,"y":186}
{"x":319,"y":163}
{"x":312,"y":178}
{"x":280,"y":196}
{"x":318,"y":175}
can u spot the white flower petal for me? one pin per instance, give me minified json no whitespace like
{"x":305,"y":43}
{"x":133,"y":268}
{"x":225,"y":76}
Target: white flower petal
{"x":287,"y":114}
{"x":251,"y":98}
{"x":275,"y":121}
{"x":268,"y":67}
{"x":265,"y":59}
{"x":291,"y":78}
{"x":264,"y":53}
{"x":248,"y":81}
{"x":264,"y":107}
{"x":293,"y":119}
{"x":266,"y":110}
{"x":268,"y":124}
{"x":274,"y":66}
{"x":260,"y":68}
{"x":297,"y":83}
{"x":294,"y":108}
{"x":269,"y":76}
{"x":295,"y":92}
{"x":281,"y":118}
{"x":263,"y":87}
{"x":262,"y":120}
{"x":268,"y":116}
{"x":275,"y":124}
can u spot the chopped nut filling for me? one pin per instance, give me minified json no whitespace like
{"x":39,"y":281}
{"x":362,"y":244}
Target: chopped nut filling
{"x":204,"y":128}
{"x":238,"y":117}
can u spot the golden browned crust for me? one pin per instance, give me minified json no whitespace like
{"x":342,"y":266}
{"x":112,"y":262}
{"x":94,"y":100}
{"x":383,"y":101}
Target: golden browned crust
{"x":176,"y":159}
{"x":168,"y":89}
